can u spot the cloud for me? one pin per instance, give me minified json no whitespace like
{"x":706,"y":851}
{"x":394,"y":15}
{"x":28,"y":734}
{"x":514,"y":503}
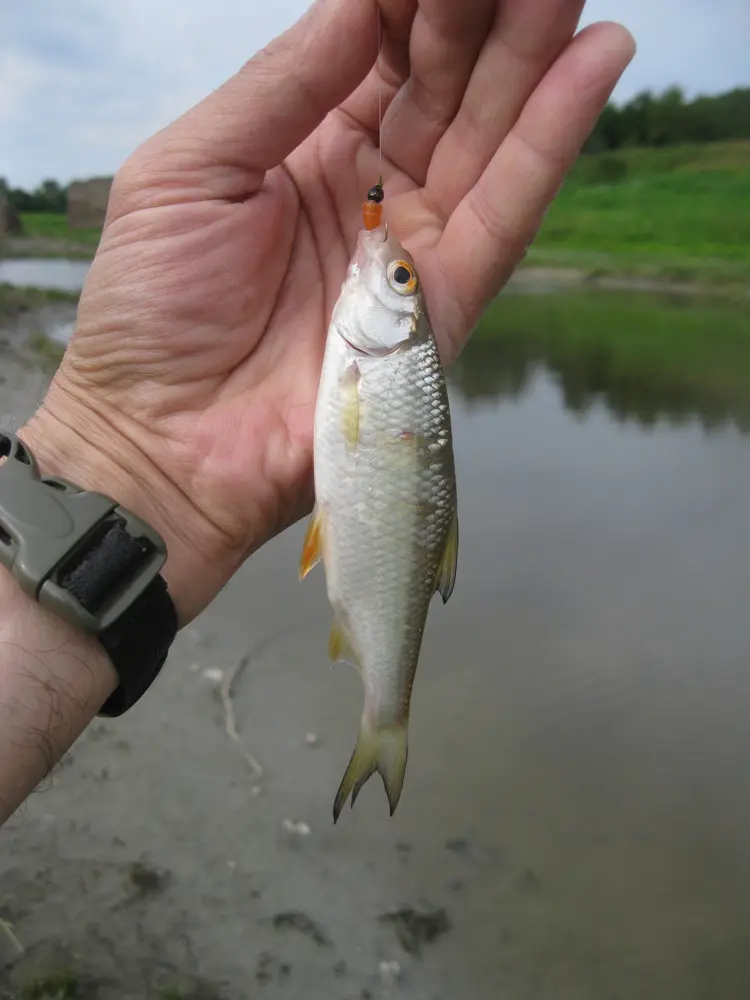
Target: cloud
{"x":702,"y":45}
{"x":83,"y":82}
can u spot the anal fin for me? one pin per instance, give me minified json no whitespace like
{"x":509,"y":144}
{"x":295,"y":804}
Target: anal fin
{"x":446,"y":575}
{"x":340,"y":650}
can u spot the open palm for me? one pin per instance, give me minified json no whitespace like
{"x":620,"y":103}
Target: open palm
{"x":202,"y":323}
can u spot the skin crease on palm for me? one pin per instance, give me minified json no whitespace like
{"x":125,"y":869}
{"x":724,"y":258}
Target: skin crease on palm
{"x":189,"y":388}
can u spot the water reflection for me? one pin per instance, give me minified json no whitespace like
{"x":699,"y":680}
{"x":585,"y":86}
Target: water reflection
{"x":502,"y":364}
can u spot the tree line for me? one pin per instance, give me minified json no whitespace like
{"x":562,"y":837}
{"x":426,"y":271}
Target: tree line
{"x":49,"y":196}
{"x":668,"y":119}
{"x":649,"y":119}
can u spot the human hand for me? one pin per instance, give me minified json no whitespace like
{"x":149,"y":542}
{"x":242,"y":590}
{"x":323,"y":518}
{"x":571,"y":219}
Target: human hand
{"x":188,"y":391}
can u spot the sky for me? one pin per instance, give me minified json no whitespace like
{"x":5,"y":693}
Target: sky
{"x":83,"y":82}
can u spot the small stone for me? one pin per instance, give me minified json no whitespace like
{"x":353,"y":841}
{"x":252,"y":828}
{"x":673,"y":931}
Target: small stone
{"x":311,"y":739}
{"x":214,"y":674}
{"x":390,"y":973}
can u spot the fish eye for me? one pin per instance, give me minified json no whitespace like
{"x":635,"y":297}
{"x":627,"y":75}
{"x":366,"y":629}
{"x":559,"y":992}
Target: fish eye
{"x":402,"y":278}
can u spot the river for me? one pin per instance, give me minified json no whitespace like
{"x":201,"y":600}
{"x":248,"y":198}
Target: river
{"x":576,"y":798}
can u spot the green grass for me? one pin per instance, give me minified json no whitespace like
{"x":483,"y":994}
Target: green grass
{"x":45,"y":225}
{"x":645,"y":355}
{"x":678,"y":213}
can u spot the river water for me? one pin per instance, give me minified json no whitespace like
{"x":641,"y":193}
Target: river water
{"x":60,"y":275}
{"x":577,"y":791}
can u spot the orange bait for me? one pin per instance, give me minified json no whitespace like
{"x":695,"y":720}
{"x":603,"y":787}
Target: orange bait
{"x":372,"y":209}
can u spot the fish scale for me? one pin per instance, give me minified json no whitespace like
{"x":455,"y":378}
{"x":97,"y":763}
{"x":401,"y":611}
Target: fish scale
{"x":385,"y":497}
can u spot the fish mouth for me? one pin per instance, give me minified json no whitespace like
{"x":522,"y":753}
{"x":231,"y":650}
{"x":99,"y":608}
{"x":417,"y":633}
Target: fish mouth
{"x":377,"y":235}
{"x":376,"y":352}
{"x":364,"y":249}
{"x":369,"y":236}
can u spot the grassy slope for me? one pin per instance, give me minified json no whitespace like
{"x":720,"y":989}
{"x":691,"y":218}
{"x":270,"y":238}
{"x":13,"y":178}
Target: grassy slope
{"x":44,"y":225}
{"x":679,"y":213}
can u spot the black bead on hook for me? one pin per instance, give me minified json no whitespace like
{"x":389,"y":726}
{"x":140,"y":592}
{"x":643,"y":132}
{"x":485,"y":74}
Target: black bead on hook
{"x":376,"y":193}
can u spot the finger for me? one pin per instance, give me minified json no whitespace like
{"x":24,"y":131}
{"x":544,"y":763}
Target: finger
{"x":252,"y":122}
{"x":446,"y":38}
{"x":489,"y":231}
{"x":525,"y":41}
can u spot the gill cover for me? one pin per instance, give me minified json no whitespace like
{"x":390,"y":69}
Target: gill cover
{"x":380,"y":303}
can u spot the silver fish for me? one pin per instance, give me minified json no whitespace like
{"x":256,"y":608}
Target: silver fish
{"x":385,"y":520}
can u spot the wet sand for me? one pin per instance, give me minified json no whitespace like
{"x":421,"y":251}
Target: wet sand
{"x":574,"y":821}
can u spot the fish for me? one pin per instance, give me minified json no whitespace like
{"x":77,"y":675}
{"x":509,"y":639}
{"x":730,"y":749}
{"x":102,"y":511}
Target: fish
{"x":385,"y":518}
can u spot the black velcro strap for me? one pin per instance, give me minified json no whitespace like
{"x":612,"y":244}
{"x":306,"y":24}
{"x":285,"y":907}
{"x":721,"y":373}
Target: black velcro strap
{"x":138,"y":644}
{"x":110,"y":558}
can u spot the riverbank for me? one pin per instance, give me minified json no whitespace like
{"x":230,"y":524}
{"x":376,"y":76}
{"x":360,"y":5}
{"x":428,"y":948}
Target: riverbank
{"x":47,"y":236}
{"x":14,"y":301}
{"x":671,"y":215}
{"x":663,"y":217}
{"x":31,"y":323}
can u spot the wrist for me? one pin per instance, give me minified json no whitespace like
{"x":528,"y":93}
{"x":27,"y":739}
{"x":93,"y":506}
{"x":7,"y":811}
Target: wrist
{"x":54,"y":678}
{"x":97,"y":457}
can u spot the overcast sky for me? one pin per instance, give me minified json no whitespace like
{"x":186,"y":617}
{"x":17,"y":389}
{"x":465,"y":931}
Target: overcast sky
{"x":82,"y":82}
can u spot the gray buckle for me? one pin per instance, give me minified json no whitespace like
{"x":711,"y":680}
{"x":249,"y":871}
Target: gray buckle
{"x":45,"y":521}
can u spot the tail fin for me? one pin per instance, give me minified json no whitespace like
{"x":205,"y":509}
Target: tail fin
{"x":383,"y":749}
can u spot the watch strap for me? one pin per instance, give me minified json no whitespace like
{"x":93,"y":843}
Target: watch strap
{"x":91,"y":562}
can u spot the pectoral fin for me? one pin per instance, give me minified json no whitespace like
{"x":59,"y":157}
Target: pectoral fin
{"x":312,"y":547}
{"x":446,"y":575}
{"x":350,"y":405}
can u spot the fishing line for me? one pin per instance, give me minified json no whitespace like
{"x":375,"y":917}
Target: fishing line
{"x":380,"y":93}
{"x":372,"y":208}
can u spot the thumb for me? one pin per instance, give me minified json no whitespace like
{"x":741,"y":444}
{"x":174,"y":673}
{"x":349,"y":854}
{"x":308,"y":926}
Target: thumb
{"x":262,"y":113}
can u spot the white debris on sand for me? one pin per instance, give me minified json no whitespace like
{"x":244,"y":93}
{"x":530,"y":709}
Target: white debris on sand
{"x":297,"y":829}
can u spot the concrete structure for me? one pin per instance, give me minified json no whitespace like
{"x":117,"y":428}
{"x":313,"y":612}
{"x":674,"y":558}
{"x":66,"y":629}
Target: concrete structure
{"x":10,"y":224}
{"x":87,"y":202}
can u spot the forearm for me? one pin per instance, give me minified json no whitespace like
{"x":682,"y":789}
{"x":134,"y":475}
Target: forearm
{"x":53,"y":681}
